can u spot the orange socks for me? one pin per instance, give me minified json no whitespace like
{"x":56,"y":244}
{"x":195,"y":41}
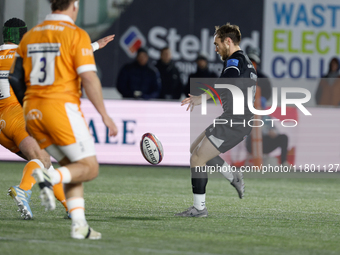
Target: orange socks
{"x":27,"y":181}
{"x":58,"y":190}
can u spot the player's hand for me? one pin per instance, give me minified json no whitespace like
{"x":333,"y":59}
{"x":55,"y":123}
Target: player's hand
{"x":192,"y":101}
{"x":104,"y":41}
{"x":113,"y":130}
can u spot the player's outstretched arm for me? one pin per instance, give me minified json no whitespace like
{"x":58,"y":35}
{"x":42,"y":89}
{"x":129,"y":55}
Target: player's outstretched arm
{"x":104,"y":41}
{"x":193,"y":101}
{"x":101,"y":43}
{"x":93,"y":89}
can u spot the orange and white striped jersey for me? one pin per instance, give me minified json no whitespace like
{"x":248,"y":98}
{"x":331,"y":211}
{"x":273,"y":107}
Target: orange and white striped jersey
{"x":54,"y":53}
{"x":7,"y":53}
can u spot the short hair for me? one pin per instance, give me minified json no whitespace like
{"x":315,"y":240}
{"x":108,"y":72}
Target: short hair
{"x":60,"y":5}
{"x":165,"y":48}
{"x":227,"y":30}
{"x":202,"y":57}
{"x":13,"y":30}
{"x":141,"y":50}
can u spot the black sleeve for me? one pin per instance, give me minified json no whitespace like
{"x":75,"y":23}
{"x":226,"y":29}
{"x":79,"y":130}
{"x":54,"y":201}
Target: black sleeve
{"x":17,"y":80}
{"x":231,"y":72}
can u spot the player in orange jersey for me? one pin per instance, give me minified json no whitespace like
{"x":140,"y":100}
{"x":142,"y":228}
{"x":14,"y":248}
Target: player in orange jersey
{"x":51,"y":61}
{"x":13,"y":135}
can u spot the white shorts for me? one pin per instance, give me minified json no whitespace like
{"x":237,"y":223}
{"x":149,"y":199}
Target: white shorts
{"x":73,"y":152}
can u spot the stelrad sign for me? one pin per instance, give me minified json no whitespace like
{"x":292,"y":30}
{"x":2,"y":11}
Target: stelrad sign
{"x":183,"y":26}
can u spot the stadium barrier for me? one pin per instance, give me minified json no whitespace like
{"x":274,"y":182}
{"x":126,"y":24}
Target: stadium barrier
{"x":167,"y":120}
{"x":315,"y":139}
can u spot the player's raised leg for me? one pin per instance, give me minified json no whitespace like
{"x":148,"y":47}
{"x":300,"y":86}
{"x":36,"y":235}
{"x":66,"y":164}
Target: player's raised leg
{"x":235,"y":178}
{"x":30,"y":148}
{"x":22,"y":194}
{"x":38,"y":159}
{"x":15,"y":138}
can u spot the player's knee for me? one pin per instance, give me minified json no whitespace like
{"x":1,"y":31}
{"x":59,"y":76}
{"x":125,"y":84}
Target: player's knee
{"x":64,"y":161}
{"x":195,"y":159}
{"x":92,"y":170}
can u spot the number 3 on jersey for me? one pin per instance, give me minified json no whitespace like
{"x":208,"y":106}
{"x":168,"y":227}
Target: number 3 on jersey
{"x":43,"y":69}
{"x":43,"y":62}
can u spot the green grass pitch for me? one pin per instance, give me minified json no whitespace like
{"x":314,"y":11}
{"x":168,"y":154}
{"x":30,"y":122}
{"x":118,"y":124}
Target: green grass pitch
{"x":133,"y":208}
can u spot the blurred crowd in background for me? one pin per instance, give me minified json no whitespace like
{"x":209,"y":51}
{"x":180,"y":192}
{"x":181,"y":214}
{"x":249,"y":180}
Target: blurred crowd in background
{"x":173,"y":50}
{"x":142,"y":79}
{"x":162,"y":80}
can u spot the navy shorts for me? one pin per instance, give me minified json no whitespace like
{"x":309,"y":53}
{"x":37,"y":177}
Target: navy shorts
{"x":226,"y":136}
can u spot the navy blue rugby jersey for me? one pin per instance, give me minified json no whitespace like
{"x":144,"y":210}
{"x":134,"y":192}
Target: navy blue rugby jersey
{"x":239,"y":71}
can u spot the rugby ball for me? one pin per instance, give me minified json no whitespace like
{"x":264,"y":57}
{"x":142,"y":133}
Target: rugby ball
{"x":151,"y":148}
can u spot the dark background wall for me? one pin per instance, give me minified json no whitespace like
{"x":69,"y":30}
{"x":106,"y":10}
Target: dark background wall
{"x":2,"y":7}
{"x":185,"y":19}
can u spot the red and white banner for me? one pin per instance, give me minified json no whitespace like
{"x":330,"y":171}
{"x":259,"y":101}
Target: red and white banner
{"x":316,"y":138}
